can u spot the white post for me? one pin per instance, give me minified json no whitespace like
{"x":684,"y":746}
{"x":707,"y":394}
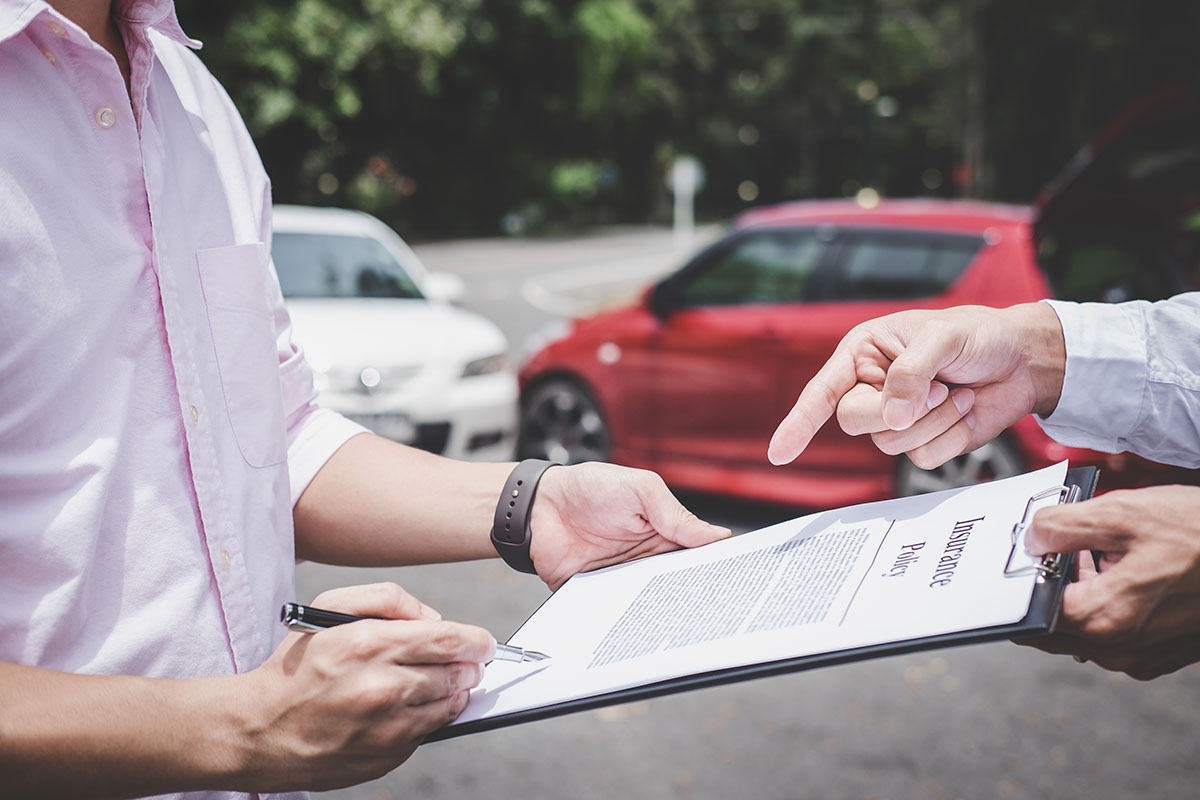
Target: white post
{"x":686,"y":178}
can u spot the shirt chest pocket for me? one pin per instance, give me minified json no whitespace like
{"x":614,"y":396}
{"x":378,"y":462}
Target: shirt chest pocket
{"x":243,"y":334}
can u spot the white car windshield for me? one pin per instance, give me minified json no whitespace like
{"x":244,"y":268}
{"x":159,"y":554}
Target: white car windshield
{"x":333,"y":265}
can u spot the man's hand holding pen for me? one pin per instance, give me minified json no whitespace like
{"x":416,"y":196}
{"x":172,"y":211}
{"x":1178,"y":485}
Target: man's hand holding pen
{"x":353,"y":703}
{"x":310,"y":620}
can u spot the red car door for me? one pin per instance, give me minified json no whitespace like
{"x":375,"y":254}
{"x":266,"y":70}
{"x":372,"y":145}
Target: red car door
{"x":872,"y":273}
{"x":714,"y":384}
{"x":717,"y":353}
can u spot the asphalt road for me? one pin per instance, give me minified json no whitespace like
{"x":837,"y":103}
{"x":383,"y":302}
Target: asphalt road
{"x":985,"y":721}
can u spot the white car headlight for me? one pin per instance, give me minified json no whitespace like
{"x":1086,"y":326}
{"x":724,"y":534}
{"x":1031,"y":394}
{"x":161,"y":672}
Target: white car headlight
{"x":485,"y":366}
{"x":372,"y":380}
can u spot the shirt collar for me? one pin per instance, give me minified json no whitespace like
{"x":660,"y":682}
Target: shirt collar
{"x":16,"y":15}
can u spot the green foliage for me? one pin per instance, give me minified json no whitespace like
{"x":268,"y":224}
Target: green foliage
{"x":576,"y":179}
{"x":616,"y":38}
{"x":471,"y":117}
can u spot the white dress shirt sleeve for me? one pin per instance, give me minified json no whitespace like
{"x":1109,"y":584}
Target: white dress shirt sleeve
{"x":1132,"y":379}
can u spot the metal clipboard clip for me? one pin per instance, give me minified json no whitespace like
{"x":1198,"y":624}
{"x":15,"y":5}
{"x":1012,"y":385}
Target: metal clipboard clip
{"x":1051,"y":562}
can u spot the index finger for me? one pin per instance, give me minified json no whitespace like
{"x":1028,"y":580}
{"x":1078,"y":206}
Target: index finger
{"x":420,"y":642}
{"x":816,"y":404}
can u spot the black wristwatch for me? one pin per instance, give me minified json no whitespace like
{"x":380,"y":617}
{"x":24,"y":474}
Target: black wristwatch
{"x":510,"y":527}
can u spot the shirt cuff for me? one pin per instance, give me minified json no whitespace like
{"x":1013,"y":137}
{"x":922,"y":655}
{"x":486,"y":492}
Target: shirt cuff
{"x":313,"y":442}
{"x":1106,"y":359}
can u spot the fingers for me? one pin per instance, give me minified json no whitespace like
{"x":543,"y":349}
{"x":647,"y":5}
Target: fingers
{"x":958,"y":439}
{"x":861,"y":411}
{"x":907,"y":385}
{"x":382,"y":600}
{"x":671,"y":520}
{"x":1140,"y":613}
{"x":351,"y":702}
{"x":446,"y":710}
{"x":1146,"y":663}
{"x":409,"y":642}
{"x":410,"y":724}
{"x":420,"y":642}
{"x":938,"y":392}
{"x":423,"y":685}
{"x":1141,"y":662}
{"x":423,"y":662}
{"x":1123,"y":609}
{"x":943,"y":432}
{"x":816,"y":404}
{"x":1095,"y":524}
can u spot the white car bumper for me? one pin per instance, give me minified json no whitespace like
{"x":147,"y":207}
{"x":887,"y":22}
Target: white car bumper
{"x":465,"y":418}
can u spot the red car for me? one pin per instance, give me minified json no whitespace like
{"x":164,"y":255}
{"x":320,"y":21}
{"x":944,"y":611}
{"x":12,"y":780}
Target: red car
{"x":692,"y":381}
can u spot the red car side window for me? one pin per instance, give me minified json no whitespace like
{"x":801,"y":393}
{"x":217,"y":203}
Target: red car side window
{"x":768,"y":266}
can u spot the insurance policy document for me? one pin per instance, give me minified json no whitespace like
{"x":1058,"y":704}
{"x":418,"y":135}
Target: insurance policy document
{"x":862,"y":575}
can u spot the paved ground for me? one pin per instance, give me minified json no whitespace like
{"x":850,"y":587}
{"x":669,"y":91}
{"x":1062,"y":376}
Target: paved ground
{"x":987,"y":721}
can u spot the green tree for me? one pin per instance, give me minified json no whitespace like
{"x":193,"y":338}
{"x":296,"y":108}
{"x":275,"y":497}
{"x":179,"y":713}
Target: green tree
{"x":472,"y":117}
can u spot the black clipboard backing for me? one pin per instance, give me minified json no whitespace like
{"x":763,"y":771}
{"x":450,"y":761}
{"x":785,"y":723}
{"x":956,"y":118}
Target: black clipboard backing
{"x":1044,"y":607}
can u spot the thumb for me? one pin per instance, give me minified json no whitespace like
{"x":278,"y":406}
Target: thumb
{"x":674,"y":522}
{"x":912,"y":374}
{"x":1072,"y":528}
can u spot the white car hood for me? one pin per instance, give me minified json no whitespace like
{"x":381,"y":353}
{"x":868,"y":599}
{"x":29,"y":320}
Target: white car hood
{"x":358,"y":332}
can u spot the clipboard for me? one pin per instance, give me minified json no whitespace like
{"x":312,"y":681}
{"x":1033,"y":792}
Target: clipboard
{"x":1054,"y":574}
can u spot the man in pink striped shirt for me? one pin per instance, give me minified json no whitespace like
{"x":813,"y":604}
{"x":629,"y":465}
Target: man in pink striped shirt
{"x":162,"y":458}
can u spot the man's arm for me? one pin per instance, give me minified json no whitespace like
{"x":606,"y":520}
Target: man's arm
{"x":1132,"y":380}
{"x":326,"y":710}
{"x":377,"y":503}
{"x":889,"y":376}
{"x":1141,"y":613}
{"x":116,"y":736}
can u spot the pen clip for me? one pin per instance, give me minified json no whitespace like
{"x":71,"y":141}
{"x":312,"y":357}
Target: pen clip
{"x":302,"y":626}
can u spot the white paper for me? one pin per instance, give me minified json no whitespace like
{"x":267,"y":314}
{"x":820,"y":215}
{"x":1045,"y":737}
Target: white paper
{"x":851,"y":577}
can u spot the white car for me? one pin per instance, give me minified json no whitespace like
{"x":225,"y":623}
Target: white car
{"x":388,"y":348}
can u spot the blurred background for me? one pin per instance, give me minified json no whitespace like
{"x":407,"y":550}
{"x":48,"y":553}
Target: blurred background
{"x":465,"y":117}
{"x":533,"y":154}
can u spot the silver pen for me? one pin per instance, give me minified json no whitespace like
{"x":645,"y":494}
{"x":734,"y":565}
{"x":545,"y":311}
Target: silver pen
{"x":309,"y":620}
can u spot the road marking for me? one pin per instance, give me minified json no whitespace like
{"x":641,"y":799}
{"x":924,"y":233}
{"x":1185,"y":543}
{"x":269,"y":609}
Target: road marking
{"x":584,"y":290}
{"x":604,"y":284}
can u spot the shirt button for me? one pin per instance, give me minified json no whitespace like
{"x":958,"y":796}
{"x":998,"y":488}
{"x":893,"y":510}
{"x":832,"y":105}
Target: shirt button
{"x":194,"y":413}
{"x":106,"y":117}
{"x":56,"y":29}
{"x":50,"y":56}
{"x":226,"y":559}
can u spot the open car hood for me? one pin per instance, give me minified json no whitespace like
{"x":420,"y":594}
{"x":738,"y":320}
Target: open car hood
{"x":1122,"y":221}
{"x":1143,"y":168}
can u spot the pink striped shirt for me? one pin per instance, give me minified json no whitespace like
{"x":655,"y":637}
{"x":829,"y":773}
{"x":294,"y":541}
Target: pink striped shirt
{"x":156,"y":422}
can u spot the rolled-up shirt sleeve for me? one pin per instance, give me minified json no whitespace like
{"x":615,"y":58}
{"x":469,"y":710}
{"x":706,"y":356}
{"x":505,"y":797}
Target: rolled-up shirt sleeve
{"x":313,"y":434}
{"x":1132,"y":380}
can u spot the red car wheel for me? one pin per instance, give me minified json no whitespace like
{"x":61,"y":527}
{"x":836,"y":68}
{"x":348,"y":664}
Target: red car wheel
{"x":561,"y":422}
{"x":994,"y":460}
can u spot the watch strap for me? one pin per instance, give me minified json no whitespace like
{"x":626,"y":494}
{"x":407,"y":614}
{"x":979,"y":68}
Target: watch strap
{"x":510,"y":526}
